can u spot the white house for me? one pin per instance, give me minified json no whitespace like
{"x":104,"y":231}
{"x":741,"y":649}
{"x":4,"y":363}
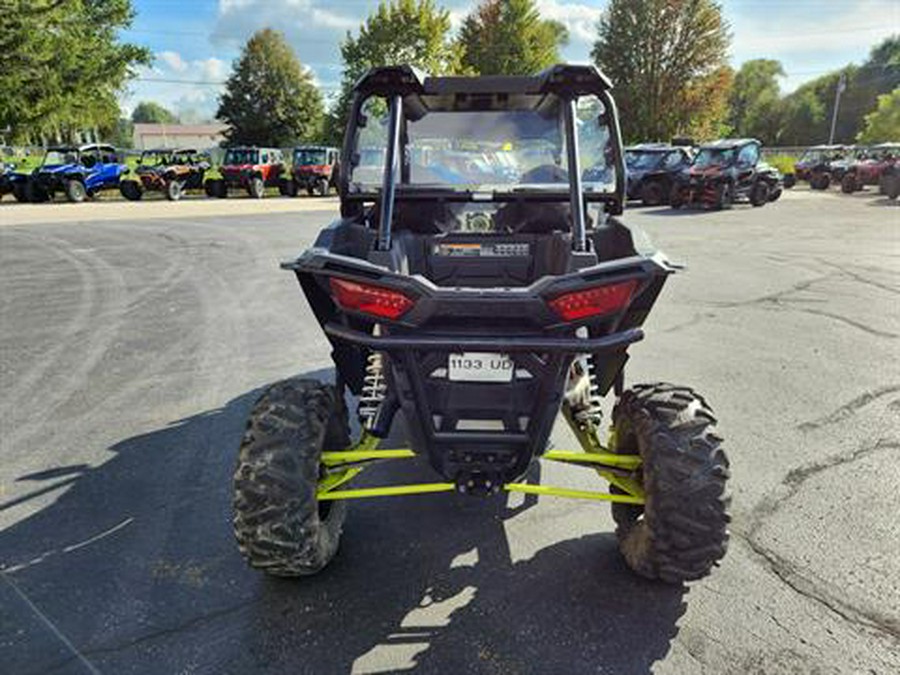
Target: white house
{"x":199,"y":136}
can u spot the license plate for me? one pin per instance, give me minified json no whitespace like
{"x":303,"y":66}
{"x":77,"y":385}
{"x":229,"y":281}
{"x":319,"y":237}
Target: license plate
{"x":480,"y":367}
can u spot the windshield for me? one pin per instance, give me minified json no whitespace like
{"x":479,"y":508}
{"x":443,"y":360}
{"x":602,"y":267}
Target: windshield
{"x":494,"y":150}
{"x":54,"y":157}
{"x":637,"y":160}
{"x":307,"y":157}
{"x":153,"y":159}
{"x":714,"y":157}
{"x":241,"y":156}
{"x":812,"y":155}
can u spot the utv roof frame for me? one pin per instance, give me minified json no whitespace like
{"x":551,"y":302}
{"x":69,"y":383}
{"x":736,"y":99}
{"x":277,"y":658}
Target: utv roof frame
{"x":729,"y":143}
{"x":402,"y":85}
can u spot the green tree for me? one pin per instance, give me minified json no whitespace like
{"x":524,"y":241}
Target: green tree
{"x":882,"y":124}
{"x":509,"y":37}
{"x":149,"y":112}
{"x":755,"y":101}
{"x":415,"y":32}
{"x":803,"y":118}
{"x":668,"y":61}
{"x":878,"y":74}
{"x":270,"y":99}
{"x":63,"y":66}
{"x":120,"y":133}
{"x":807,"y":112}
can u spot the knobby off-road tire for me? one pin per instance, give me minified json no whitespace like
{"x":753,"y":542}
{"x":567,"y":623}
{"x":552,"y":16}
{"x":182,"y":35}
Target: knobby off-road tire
{"x":131,"y":190}
{"x":724,"y":197}
{"x":892,"y":187}
{"x":676,"y":200}
{"x":280,"y":526}
{"x":759,"y":195}
{"x":682,"y":530}
{"x":256,"y":188}
{"x":174,"y":189}
{"x":653,"y":193}
{"x":75,"y":191}
{"x":848,"y":184}
{"x":20,"y":192}
{"x":820,"y":181}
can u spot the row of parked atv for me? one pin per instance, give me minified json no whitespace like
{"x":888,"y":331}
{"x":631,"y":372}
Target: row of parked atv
{"x":80,"y":173}
{"x":851,"y":167}
{"x":714,"y":175}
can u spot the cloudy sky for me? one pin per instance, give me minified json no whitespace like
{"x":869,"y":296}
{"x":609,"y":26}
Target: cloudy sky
{"x":195,"y":41}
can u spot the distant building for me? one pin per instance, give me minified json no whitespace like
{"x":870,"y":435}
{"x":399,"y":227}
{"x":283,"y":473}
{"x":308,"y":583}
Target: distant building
{"x":199,"y":136}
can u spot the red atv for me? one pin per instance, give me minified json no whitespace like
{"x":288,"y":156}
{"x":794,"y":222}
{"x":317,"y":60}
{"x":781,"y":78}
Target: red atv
{"x":870,"y":169}
{"x":250,"y":169}
{"x":315,"y":170}
{"x":724,"y":172}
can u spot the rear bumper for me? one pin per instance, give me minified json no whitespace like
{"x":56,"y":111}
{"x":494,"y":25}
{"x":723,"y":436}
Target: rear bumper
{"x":560,"y":345}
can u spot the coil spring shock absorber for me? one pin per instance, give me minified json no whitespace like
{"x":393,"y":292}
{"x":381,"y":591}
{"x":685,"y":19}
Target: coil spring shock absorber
{"x":373,"y":390}
{"x":592,"y":412}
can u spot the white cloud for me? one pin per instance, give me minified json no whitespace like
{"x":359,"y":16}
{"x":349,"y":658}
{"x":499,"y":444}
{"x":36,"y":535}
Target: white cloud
{"x":173,"y":60}
{"x":580,"y":19}
{"x":183,"y":86}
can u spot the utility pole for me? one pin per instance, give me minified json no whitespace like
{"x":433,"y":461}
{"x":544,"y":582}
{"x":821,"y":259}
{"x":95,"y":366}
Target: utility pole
{"x":841,"y":85}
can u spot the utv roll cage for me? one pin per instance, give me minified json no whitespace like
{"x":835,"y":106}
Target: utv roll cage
{"x":407,"y":92}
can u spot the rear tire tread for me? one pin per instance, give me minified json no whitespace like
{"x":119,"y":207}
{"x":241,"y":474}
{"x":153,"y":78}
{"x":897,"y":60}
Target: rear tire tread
{"x":278,"y":524}
{"x":684,"y":529}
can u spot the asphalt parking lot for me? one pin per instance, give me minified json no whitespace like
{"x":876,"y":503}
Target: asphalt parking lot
{"x":131,"y":349}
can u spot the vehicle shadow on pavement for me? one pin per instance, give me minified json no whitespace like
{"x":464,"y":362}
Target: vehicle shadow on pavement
{"x":134,"y":569}
{"x":684,"y":212}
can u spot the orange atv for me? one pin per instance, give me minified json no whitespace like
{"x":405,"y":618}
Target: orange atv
{"x":168,"y":171}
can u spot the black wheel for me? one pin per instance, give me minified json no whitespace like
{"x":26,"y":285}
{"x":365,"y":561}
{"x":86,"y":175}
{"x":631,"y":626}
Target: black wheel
{"x":653,"y":193}
{"x":279,"y":524}
{"x":256,"y":188}
{"x":174,"y":189}
{"x":759,"y":194}
{"x":35,"y":193}
{"x":682,"y":530}
{"x":883,"y":184}
{"x":892,"y":187}
{"x":820,"y":181}
{"x":322,"y":187}
{"x":20,"y":192}
{"x":790,"y":180}
{"x":131,"y":190}
{"x":216,"y":187}
{"x":676,"y":199}
{"x":75,"y":190}
{"x":287,"y":188}
{"x":724,"y":196}
{"x":848,"y":184}
{"x":775,"y":194}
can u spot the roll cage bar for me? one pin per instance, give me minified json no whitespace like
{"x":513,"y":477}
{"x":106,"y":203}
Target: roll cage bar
{"x":403,"y":83}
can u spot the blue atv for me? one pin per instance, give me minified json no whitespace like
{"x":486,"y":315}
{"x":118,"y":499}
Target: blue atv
{"x":78,"y":173}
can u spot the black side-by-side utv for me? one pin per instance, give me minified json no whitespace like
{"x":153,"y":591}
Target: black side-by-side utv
{"x":479,"y":281}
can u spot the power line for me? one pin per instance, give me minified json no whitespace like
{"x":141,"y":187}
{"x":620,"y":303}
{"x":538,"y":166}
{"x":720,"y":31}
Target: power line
{"x":210,"y":83}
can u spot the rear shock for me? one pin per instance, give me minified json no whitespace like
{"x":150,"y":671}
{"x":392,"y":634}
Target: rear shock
{"x":593,"y":412}
{"x":373,"y":392}
{"x":583,"y":393}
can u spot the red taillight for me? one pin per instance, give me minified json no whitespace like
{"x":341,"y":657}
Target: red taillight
{"x":370,"y":299}
{"x":594,"y":301}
